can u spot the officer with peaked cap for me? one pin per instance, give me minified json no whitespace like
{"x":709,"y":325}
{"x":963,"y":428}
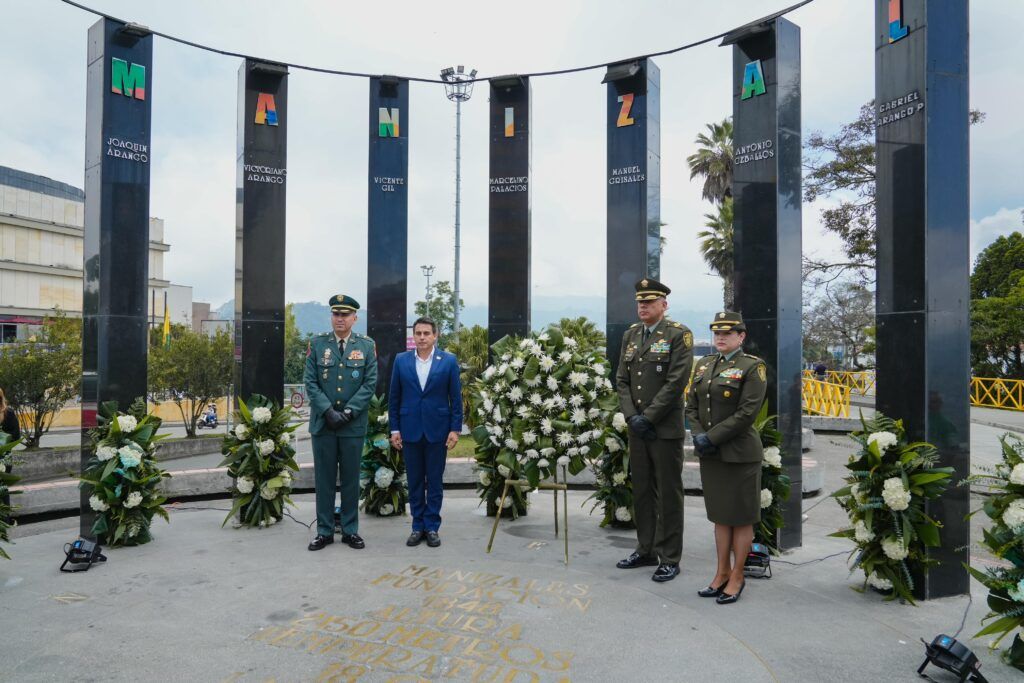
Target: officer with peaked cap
{"x":654,"y":366}
{"x":340,"y":378}
{"x":725,"y":398}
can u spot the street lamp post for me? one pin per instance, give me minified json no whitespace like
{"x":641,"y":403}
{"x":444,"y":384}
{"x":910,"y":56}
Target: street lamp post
{"x":428,"y":271}
{"x":458,"y":86}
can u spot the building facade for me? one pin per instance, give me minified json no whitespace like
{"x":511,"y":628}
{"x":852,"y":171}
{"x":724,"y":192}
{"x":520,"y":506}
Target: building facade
{"x":41,"y":233}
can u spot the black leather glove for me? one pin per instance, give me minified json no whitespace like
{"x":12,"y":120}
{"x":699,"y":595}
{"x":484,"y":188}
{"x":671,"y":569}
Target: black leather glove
{"x":643,"y":427}
{"x":334,"y":418}
{"x":703,"y":445}
{"x":346,"y":416}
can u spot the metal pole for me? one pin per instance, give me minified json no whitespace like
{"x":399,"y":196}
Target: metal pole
{"x":458,"y":198}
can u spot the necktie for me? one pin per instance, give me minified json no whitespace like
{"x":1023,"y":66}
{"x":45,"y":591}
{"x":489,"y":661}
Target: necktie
{"x":646,"y":335}
{"x":341,"y":347}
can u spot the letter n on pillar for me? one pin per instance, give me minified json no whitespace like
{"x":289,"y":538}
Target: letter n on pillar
{"x":261,"y":182}
{"x":508,"y":296}
{"x":766,"y":226}
{"x":633,"y":186}
{"x":388,"y":221}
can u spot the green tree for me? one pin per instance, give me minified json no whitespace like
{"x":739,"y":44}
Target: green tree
{"x":713,"y":161}
{"x":295,"y":345}
{"x":441,"y":309}
{"x":717,"y":250}
{"x":999,"y":267}
{"x":193,"y":371}
{"x":40,"y":376}
{"x":842,"y":165}
{"x":470,"y":348}
{"x":842,"y":316}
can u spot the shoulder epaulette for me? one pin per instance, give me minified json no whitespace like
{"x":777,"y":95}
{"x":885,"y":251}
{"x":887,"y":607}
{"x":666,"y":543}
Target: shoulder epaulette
{"x":753,"y":357}
{"x":323,"y":334}
{"x":634,"y":325}
{"x":676,"y":325}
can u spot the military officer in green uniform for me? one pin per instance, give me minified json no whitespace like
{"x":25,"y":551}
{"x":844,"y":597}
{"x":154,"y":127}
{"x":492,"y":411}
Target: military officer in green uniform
{"x":654,"y":366}
{"x":340,"y":378}
{"x":725,"y":397}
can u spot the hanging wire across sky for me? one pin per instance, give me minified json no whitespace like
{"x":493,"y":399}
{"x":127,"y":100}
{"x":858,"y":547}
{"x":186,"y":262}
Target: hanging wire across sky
{"x":419,"y":79}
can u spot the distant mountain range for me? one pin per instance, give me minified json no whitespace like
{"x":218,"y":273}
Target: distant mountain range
{"x":313,"y":316}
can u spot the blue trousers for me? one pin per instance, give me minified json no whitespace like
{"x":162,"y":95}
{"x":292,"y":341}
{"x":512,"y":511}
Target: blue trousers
{"x":424,"y":465}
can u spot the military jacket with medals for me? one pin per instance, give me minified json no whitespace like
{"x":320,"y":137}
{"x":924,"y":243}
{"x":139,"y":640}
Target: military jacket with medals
{"x":339,"y":383}
{"x":724,"y":400}
{"x":651,"y":377}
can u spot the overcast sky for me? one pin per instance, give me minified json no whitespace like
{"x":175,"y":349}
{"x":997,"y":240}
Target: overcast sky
{"x":42,"y":62}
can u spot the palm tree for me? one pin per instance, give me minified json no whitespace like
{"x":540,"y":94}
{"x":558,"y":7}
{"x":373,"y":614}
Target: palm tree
{"x":713,"y":161}
{"x":469,"y":345}
{"x":716,"y":247}
{"x":588,"y":334}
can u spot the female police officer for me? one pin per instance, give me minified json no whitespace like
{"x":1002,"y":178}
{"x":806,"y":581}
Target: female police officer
{"x":726,"y":394}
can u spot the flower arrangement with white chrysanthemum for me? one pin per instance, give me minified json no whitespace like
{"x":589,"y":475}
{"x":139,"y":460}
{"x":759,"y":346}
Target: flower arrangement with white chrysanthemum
{"x":1004,"y":506}
{"x":545,"y":402}
{"x":775,"y":483}
{"x":122,"y":476}
{"x":260,"y":459}
{"x":383,"y":485}
{"x":614,"y":486}
{"x":884,"y":498}
{"x":7,"y":479}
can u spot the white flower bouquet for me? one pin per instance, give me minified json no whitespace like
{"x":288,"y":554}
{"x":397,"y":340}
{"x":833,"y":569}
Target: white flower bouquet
{"x":122,"y":476}
{"x":260,"y":458}
{"x":775,"y":483}
{"x":384,"y":488}
{"x":888,"y":484}
{"x":545,"y":402}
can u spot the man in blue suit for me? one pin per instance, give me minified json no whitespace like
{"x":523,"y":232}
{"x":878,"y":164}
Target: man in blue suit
{"x":425,"y":413}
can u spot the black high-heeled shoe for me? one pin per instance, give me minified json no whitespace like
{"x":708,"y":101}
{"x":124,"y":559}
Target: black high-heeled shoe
{"x":726,"y":599}
{"x":711,"y":591}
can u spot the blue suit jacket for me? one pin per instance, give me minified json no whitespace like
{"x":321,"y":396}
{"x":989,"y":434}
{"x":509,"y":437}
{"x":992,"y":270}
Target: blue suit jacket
{"x":430,"y":412}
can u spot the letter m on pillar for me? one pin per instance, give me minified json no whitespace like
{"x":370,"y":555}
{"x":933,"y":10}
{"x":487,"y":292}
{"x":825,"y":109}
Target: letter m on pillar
{"x":387,"y":122}
{"x":127,"y":79}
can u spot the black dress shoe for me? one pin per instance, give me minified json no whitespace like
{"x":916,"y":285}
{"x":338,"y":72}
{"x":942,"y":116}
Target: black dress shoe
{"x":415,"y":538}
{"x":711,"y":591}
{"x":726,"y":599}
{"x":320,"y":541}
{"x":433,"y":540}
{"x":353,"y":541}
{"x":666,"y":571}
{"x":636,"y":560}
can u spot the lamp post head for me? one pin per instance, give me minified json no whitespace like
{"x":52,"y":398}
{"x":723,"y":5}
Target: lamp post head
{"x":458,"y":85}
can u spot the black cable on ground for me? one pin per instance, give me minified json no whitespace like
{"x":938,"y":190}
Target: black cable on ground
{"x":818,"y":559}
{"x":339,"y":72}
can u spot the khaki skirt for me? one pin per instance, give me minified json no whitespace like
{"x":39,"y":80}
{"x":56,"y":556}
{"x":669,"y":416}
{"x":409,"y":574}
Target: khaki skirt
{"x":732,"y":491}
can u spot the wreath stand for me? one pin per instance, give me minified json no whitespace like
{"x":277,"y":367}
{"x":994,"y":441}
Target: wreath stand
{"x":553,"y":486}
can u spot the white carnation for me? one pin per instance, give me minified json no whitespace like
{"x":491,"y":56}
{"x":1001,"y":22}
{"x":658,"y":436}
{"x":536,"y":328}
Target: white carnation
{"x":545,"y":425}
{"x":504,"y":471}
{"x":511,"y":444}
{"x":543,"y":336}
{"x":766,"y":498}
{"x":565,"y":356}
{"x":894,"y":495}
{"x":598,"y":368}
{"x":133,"y":499}
{"x":881,"y":583}
{"x":496,"y":415}
{"x":387,"y":509}
{"x":543,"y":462}
{"x":127,"y":423}
{"x":612,"y":445}
{"x":267,"y":493}
{"x":773,"y":457}
{"x":532,"y":454}
{"x":862,"y":533}
{"x":104,"y":453}
{"x":517,"y":363}
{"x":575,"y":400}
{"x":130,"y":455}
{"x":382,"y":419}
{"x":508,"y":503}
{"x":583,"y":437}
{"x":578,"y":417}
{"x":572,"y":453}
{"x":619,"y":478}
{"x":547,"y":452}
{"x":488,"y":405}
{"x":584,"y":450}
{"x":489,"y":372}
{"x":593,"y":413}
{"x":623,"y":515}
{"x":529,"y":437}
{"x":894,"y":548}
{"x":619,"y":422}
{"x":261,"y":415}
{"x":1013,"y":515}
{"x":97,"y":504}
{"x":570,"y":342}
{"x":558,"y":401}
{"x":285,"y":438}
{"x":241,"y":432}
{"x":383,"y":477}
{"x":885,"y":440}
{"x":265,"y":447}
{"x":552,"y":383}
{"x":515,"y":394}
{"x":244,"y":485}
{"x":523,"y":411}
{"x":1017,"y":475}
{"x":547,"y":363}
{"x":563,"y":460}
{"x":577,"y":378}
{"x":564,"y":439}
{"x":535,"y":399}
{"x":485,"y":479}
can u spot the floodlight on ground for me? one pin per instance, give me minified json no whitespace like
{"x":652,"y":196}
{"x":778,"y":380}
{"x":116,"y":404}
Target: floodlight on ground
{"x":949,"y":654}
{"x":81,"y":555}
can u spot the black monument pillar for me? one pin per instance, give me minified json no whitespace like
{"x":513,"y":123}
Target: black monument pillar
{"x":508,"y":298}
{"x":388,"y":219}
{"x":116,"y":240}
{"x":633,"y":192}
{"x":923,"y":366}
{"x":766,"y":225}
{"x":261,"y":179}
